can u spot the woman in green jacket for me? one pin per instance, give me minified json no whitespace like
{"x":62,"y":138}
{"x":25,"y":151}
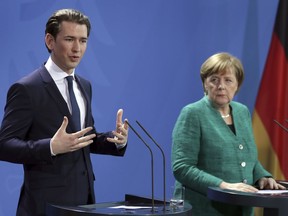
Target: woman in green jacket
{"x":213,"y":142}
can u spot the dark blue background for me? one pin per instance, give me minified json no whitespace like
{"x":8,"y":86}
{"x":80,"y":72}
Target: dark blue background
{"x":143,"y":56}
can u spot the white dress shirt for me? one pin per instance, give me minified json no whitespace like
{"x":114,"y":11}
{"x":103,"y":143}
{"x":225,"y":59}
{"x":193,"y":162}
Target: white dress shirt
{"x":58,"y":75}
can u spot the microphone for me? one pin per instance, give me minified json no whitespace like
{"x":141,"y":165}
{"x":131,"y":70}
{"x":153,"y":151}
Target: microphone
{"x":164,"y":163}
{"x":282,"y":126}
{"x":152,"y":161}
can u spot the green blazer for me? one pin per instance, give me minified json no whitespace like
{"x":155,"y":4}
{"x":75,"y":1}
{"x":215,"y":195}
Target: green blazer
{"x":206,"y":152}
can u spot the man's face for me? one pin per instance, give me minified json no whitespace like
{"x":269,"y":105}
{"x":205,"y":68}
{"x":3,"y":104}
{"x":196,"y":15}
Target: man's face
{"x":69,"y":46}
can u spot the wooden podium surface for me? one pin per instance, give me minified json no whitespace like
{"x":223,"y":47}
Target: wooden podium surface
{"x":106,"y":209}
{"x":273,"y":204}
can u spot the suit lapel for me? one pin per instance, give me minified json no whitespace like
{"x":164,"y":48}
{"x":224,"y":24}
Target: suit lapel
{"x":86,"y":94}
{"x":54,"y":92}
{"x":58,"y":99}
{"x":84,"y":91}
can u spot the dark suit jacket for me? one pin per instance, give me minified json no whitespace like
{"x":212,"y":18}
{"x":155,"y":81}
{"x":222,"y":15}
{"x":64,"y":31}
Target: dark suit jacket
{"x":34,"y":111}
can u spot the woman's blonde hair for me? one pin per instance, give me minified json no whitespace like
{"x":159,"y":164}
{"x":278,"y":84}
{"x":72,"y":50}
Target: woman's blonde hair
{"x":220,"y":62}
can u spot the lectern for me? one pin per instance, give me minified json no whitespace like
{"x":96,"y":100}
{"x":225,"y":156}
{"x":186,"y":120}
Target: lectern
{"x":273,"y":204}
{"x":109,"y":208}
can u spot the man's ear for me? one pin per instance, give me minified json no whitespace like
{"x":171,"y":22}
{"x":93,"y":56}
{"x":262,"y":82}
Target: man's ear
{"x":49,"y":41}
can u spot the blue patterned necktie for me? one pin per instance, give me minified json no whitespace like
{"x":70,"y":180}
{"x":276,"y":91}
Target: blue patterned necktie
{"x":74,"y":105}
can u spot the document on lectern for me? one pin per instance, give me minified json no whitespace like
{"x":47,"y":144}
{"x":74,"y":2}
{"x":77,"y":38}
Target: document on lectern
{"x":131,"y":207}
{"x":272,"y":191}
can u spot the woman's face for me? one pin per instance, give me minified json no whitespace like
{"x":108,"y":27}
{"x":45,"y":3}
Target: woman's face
{"x":221,"y":87}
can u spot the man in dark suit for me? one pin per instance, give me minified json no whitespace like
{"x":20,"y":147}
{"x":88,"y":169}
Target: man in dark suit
{"x":38,"y":129}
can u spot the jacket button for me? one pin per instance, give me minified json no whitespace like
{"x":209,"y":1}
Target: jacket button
{"x":243,"y":164}
{"x":241,"y":146}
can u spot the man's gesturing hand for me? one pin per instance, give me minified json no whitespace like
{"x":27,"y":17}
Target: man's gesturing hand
{"x":121,"y":131}
{"x":62,"y":142}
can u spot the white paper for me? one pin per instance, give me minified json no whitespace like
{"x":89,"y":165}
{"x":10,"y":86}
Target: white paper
{"x":272,"y":191}
{"x":131,"y":207}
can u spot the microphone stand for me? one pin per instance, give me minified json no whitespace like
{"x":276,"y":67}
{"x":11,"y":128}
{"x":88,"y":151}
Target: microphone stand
{"x":152,"y":163}
{"x":164,"y":163}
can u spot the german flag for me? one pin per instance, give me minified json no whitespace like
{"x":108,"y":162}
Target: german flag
{"x":272,"y":101}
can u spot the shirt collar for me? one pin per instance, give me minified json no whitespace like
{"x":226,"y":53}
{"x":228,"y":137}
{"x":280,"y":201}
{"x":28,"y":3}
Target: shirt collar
{"x":56,"y":72}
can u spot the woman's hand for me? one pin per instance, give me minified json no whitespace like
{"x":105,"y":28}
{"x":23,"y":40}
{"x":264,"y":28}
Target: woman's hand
{"x":238,"y":187}
{"x":269,"y":183}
